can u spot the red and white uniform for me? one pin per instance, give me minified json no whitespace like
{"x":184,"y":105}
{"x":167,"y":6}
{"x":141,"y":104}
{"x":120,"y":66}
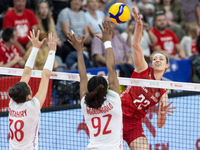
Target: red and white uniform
{"x":23,"y":24}
{"x":7,"y":54}
{"x":105,"y":123}
{"x":194,"y":49}
{"x":167,"y":41}
{"x":135,"y":102}
{"x":24,"y":124}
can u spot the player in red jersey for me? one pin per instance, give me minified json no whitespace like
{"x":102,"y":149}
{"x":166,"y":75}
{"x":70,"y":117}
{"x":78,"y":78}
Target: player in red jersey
{"x":136,"y":100}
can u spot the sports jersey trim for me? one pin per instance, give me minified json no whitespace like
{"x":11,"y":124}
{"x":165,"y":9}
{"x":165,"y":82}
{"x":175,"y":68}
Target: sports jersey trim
{"x":34,"y":139}
{"x":112,"y":95}
{"x":33,"y":102}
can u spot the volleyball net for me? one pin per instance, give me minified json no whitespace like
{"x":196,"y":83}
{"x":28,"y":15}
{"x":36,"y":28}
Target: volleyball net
{"x":62,"y":124}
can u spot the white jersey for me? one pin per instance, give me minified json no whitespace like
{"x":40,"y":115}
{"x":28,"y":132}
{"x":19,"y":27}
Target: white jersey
{"x":24,"y":124}
{"x":105,"y":124}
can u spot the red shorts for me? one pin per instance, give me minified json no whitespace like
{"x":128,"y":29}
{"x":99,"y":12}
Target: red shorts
{"x":132,"y":129}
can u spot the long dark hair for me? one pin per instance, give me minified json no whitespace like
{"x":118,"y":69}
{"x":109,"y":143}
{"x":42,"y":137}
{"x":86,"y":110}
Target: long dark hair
{"x":19,"y":92}
{"x":97,"y":88}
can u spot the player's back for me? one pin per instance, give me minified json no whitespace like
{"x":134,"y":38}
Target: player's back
{"x":105,"y":124}
{"x":24,"y":124}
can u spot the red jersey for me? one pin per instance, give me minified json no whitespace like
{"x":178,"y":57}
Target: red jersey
{"x":136,"y":100}
{"x":23,"y":24}
{"x":194,"y":47}
{"x":167,"y":41}
{"x":7,"y":54}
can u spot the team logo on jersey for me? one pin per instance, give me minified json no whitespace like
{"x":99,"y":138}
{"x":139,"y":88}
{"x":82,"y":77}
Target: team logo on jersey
{"x":157,"y":94}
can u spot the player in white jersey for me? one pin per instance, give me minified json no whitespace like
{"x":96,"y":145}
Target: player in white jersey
{"x":101,"y":108}
{"x":24,"y":109}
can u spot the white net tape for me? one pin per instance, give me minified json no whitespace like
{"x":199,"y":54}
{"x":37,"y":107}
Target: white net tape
{"x":122,"y":81}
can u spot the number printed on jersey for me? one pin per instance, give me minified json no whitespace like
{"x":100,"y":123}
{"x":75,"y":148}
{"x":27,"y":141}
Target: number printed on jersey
{"x":141,"y":102}
{"x":16,"y":130}
{"x":97,"y":121}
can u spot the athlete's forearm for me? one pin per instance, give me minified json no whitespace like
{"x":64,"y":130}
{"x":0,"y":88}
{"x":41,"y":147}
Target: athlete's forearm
{"x":161,"y":120}
{"x":137,"y":34}
{"x":81,"y":65}
{"x":110,"y":59}
{"x":29,"y":65}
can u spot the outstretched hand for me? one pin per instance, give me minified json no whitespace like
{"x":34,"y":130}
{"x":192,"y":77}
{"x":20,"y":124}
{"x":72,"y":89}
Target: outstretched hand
{"x":52,"y":41}
{"x":166,"y":109}
{"x":106,"y":32}
{"x":35,"y":39}
{"x":136,"y":17}
{"x":78,"y":44}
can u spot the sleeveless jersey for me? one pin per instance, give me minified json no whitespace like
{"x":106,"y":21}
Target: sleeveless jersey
{"x":24,"y":124}
{"x":105,"y":123}
{"x":136,"y":100}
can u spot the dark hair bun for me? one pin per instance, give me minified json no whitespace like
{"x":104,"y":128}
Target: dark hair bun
{"x":19,"y":92}
{"x":14,"y":92}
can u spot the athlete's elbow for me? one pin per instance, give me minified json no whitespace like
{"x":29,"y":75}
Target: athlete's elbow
{"x":160,"y":125}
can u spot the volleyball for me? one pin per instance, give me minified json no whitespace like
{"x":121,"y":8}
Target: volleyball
{"x":119,"y":13}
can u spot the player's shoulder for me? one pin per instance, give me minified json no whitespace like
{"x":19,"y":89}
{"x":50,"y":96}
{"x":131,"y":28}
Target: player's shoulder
{"x":142,"y":73}
{"x":112,"y":95}
{"x":186,"y":39}
{"x":34,"y":102}
{"x":153,"y":30}
{"x":65,"y":10}
{"x":9,"y":13}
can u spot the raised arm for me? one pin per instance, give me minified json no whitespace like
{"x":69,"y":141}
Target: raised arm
{"x":163,"y":109}
{"x":138,"y":57}
{"x":46,"y":73}
{"x":110,"y":59}
{"x":78,"y":45}
{"x":31,"y":59}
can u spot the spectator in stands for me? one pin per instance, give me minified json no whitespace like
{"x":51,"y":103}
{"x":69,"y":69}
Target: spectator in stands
{"x":72,"y":19}
{"x":24,"y":21}
{"x":189,"y":40}
{"x":167,"y":40}
{"x":147,"y":9}
{"x":148,"y":38}
{"x":191,"y":10}
{"x":30,"y":4}
{"x":174,"y":15}
{"x":9,"y":53}
{"x":120,"y":48}
{"x":50,"y":4}
{"x":46,"y":23}
{"x":94,"y":16}
{"x":41,"y":55}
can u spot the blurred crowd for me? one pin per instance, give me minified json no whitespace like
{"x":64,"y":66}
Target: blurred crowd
{"x":169,"y":25}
